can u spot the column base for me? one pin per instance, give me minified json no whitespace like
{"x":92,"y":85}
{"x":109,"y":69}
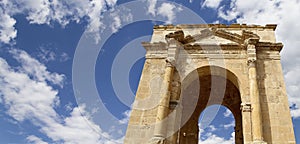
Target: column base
{"x":259,"y":142}
{"x":157,"y":140}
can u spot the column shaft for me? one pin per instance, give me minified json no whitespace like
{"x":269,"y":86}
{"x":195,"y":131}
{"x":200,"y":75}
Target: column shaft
{"x":163,"y":107}
{"x":255,"y":104}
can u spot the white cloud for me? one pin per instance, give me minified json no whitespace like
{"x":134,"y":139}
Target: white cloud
{"x":295,"y":113}
{"x":211,"y":3}
{"x":227,"y":15}
{"x":118,"y":17}
{"x":35,"y":69}
{"x":64,"y":57}
{"x":168,"y":10}
{"x":151,"y":7}
{"x":39,"y":11}
{"x":49,"y":53}
{"x":213,"y":139}
{"x":286,"y":15}
{"x":126,"y":115}
{"x":116,"y":22}
{"x":232,"y":124}
{"x":7,"y":29}
{"x":77,"y":128}
{"x":212,"y":128}
{"x":27,"y":95}
{"x":35,"y":140}
{"x":111,"y":2}
{"x":292,"y":78}
{"x":46,"y":54}
{"x":227,"y":113}
{"x":48,"y":12}
{"x":210,"y":138}
{"x":69,"y":107}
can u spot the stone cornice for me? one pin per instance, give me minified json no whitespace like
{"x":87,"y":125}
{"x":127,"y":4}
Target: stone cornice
{"x":214,"y":47}
{"x":269,"y":46}
{"x":260,"y":46}
{"x":234,"y":26}
{"x":240,"y":41}
{"x":154,"y":46}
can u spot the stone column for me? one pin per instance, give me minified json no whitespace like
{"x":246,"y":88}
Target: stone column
{"x":163,"y":106}
{"x":257,"y":132}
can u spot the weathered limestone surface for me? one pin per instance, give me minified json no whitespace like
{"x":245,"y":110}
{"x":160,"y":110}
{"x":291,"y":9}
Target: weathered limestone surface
{"x":189,"y":67}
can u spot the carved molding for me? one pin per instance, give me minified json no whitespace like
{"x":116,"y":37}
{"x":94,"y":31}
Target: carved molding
{"x":180,"y":37}
{"x":246,"y":37}
{"x":246,"y":107}
{"x":228,"y":35}
{"x":249,"y":35}
{"x":240,"y":39}
{"x":170,"y":62}
{"x":213,"y":47}
{"x":156,"y":140}
{"x":251,"y":62}
{"x":236,"y":26}
{"x":154,"y":46}
{"x":269,"y":46}
{"x":251,"y":41}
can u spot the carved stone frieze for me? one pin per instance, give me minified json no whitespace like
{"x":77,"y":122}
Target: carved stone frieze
{"x":228,"y":35}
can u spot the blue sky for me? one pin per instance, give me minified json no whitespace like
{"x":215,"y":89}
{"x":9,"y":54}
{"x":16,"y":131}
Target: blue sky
{"x":69,"y":69}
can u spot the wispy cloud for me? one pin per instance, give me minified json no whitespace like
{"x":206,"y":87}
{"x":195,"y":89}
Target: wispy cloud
{"x":126,"y":115}
{"x":211,"y":3}
{"x":50,"y":53}
{"x":227,"y":113}
{"x":152,"y":7}
{"x":232,"y":124}
{"x":27,"y":94}
{"x":34,"y":69}
{"x":34,"y":139}
{"x":169,"y":11}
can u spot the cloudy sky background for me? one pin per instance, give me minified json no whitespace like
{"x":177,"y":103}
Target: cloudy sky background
{"x":38,"y":40}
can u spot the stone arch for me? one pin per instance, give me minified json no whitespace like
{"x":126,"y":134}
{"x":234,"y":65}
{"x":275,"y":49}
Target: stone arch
{"x":205,"y":86}
{"x":251,"y":66}
{"x":224,"y":122}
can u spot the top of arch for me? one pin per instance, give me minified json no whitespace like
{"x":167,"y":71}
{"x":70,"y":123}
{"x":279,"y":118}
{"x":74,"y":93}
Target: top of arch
{"x":234,"y":35}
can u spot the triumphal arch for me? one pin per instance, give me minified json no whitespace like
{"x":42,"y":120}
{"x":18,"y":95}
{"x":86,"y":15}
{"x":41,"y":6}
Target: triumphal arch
{"x":190,"y":67}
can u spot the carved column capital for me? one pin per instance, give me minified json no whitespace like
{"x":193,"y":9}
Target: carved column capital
{"x":246,"y":107}
{"x":251,"y":62}
{"x":172,"y":51}
{"x":171,"y":42}
{"x":251,"y":52}
{"x":251,"y":41}
{"x":156,"y":140}
{"x":170,"y":62}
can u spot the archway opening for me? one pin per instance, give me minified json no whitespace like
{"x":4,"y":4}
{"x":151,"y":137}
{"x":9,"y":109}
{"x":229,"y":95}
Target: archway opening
{"x":216,"y":125}
{"x":210,"y":87}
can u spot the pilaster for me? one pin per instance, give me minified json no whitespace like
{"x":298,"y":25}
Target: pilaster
{"x":256,"y":119}
{"x":163,"y":106}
